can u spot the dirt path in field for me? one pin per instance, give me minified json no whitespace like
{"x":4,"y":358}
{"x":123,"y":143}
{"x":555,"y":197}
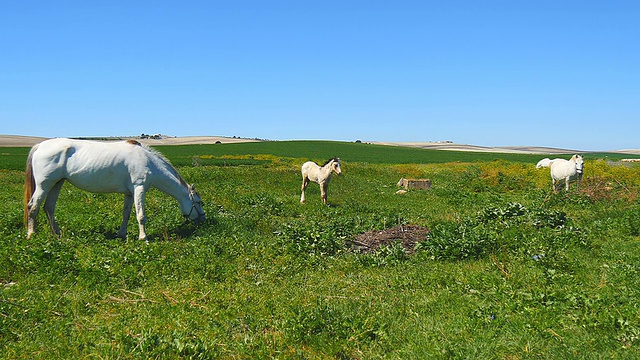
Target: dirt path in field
{"x":465,"y":147}
{"x":27,"y":141}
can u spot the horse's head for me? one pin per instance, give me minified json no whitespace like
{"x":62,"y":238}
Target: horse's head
{"x":335,"y":166}
{"x":196,"y":213}
{"x":579,"y":163}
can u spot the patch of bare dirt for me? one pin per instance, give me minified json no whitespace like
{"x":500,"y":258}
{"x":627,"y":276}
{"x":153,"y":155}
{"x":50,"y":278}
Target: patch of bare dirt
{"x":406,"y":235}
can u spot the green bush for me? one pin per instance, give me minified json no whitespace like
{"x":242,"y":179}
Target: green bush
{"x":512,"y":228}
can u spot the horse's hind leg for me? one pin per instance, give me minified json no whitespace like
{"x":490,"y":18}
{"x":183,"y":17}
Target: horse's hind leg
{"x":126,"y":213}
{"x":305,"y":182}
{"x":50,"y":206}
{"x":33,"y":209}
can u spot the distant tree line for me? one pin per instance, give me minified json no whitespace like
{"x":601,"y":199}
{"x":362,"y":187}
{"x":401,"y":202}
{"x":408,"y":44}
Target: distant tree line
{"x":148,"y":136}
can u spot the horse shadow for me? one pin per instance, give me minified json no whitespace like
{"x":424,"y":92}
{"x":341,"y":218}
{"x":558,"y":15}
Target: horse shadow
{"x":185,"y":230}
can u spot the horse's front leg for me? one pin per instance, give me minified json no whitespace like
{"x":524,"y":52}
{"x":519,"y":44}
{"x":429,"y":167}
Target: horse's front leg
{"x":578,"y":181}
{"x":138,"y":199}
{"x":323,"y":192}
{"x":126,"y":213}
{"x":305,"y":182}
{"x":566,"y":182}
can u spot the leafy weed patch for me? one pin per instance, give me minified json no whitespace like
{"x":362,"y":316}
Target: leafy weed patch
{"x":512,"y":228}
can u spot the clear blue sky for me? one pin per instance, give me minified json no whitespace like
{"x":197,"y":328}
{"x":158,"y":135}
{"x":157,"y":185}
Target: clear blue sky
{"x":545,"y":73}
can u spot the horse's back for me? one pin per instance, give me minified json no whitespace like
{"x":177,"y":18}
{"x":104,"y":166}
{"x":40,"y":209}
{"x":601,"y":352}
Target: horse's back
{"x":308,"y":166}
{"x":49,"y":158}
{"x":546,"y":162}
{"x":91,"y":165}
{"x":83,"y":153}
{"x":52,"y":149}
{"x":562,"y":168}
{"x":310,"y":170}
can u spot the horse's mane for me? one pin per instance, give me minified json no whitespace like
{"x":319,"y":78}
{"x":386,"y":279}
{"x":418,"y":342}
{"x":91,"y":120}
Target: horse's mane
{"x":157,"y":154}
{"x":332,"y":159}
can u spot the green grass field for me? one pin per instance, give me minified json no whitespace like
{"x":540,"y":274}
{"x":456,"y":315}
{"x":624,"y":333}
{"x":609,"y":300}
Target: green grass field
{"x":510,"y":270}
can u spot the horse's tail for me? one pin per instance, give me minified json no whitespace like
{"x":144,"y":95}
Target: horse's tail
{"x":546,"y":162}
{"x":29,"y":185}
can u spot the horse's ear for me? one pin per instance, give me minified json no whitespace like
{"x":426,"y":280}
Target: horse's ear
{"x":192,"y":187}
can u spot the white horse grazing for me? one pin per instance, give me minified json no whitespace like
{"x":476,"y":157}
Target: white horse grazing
{"x":562,"y":169}
{"x":319,"y":174}
{"x":125,"y":167}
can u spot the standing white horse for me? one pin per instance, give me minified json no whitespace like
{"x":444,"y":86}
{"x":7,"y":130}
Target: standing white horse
{"x":126,"y":167}
{"x":319,"y":174}
{"x":562,"y":169}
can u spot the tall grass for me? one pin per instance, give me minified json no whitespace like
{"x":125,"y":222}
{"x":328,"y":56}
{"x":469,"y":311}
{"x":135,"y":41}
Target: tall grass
{"x":509,"y":270}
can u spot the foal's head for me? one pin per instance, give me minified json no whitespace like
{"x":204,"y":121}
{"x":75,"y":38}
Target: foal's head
{"x":334,"y":164}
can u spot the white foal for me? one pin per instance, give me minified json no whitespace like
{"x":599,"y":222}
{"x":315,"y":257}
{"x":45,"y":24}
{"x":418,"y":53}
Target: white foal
{"x":320,"y":175}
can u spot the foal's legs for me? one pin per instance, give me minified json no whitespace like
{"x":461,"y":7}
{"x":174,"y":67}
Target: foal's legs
{"x":50,"y":206}
{"x":305,"y":182}
{"x":323,"y":192}
{"x":126,"y":213}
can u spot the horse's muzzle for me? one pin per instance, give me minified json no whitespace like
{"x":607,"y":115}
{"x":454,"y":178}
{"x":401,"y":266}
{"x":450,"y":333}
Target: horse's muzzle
{"x":201,"y":216}
{"x":200,"y":219}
